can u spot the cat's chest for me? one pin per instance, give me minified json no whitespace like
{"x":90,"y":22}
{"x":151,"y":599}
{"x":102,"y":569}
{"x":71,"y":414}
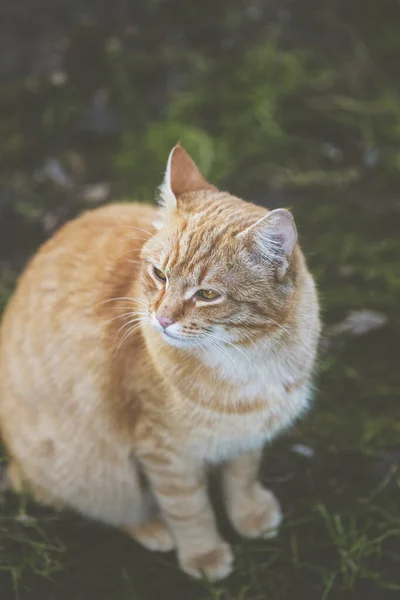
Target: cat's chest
{"x":215,"y":434}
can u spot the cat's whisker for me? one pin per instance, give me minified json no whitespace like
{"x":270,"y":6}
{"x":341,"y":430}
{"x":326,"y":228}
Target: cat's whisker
{"x":283,"y":328}
{"x":305,"y":354}
{"x":203,"y":347}
{"x":136,"y":319}
{"x":130,"y":314}
{"x":248,"y":339}
{"x":138,"y":300}
{"x":233,"y":346}
{"x":129,"y":252}
{"x":139,"y":239}
{"x":132,"y":308}
{"x":294,"y":361}
{"x":206,"y":346}
{"x":229,"y":356}
{"x":214,"y":344}
{"x":151,"y":234}
{"x":135,"y":324}
{"x":128,"y":333}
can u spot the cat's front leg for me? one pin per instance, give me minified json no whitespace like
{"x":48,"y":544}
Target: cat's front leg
{"x":253,"y":510}
{"x":181,"y":491}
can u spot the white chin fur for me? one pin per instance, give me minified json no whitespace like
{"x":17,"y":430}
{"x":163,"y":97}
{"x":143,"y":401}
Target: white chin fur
{"x":177,"y":342}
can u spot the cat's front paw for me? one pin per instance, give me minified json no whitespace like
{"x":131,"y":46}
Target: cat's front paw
{"x":214,"y":564}
{"x":257,"y":515}
{"x":153,"y":535}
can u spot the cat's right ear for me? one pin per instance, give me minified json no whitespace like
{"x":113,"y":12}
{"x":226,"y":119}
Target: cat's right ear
{"x":272,"y":238}
{"x":181,"y":176}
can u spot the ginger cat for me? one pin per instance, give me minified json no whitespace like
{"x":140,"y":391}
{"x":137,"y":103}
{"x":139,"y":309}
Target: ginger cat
{"x":141,"y":346}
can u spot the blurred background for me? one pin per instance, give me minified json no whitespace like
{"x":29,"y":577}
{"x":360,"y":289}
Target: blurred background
{"x":292,"y":103}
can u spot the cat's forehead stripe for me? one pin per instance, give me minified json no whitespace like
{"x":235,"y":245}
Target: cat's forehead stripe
{"x":200,"y":246}
{"x":199,"y":236}
{"x":175,"y":251}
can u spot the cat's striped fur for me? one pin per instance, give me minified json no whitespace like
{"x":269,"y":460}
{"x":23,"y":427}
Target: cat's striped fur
{"x":108,"y":412}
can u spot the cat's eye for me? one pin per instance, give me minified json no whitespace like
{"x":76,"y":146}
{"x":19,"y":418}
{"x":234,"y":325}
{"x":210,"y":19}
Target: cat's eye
{"x":207,"y":294}
{"x":159,"y":274}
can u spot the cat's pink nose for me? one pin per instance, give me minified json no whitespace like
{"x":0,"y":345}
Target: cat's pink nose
{"x":164,"y":321}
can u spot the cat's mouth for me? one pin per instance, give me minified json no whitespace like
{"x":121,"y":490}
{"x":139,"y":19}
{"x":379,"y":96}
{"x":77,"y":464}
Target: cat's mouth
{"x":171,"y":335}
{"x":174,"y":338}
{"x":178,"y":341}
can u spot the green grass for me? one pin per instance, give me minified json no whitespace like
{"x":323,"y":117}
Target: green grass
{"x":322,"y":552}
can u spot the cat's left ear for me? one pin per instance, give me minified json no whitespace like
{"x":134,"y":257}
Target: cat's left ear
{"x":181,"y":176}
{"x":272,"y":238}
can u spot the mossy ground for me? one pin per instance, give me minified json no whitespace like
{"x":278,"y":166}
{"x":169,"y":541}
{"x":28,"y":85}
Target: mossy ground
{"x":298,"y":108}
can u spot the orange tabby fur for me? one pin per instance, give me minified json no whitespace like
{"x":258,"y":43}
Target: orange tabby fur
{"x":104,"y":412}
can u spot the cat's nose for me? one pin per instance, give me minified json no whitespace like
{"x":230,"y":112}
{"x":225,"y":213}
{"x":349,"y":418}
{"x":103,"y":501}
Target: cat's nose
{"x":164,"y":321}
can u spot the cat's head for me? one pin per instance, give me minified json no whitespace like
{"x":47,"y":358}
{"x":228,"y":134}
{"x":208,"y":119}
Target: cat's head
{"x":219,"y":270}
